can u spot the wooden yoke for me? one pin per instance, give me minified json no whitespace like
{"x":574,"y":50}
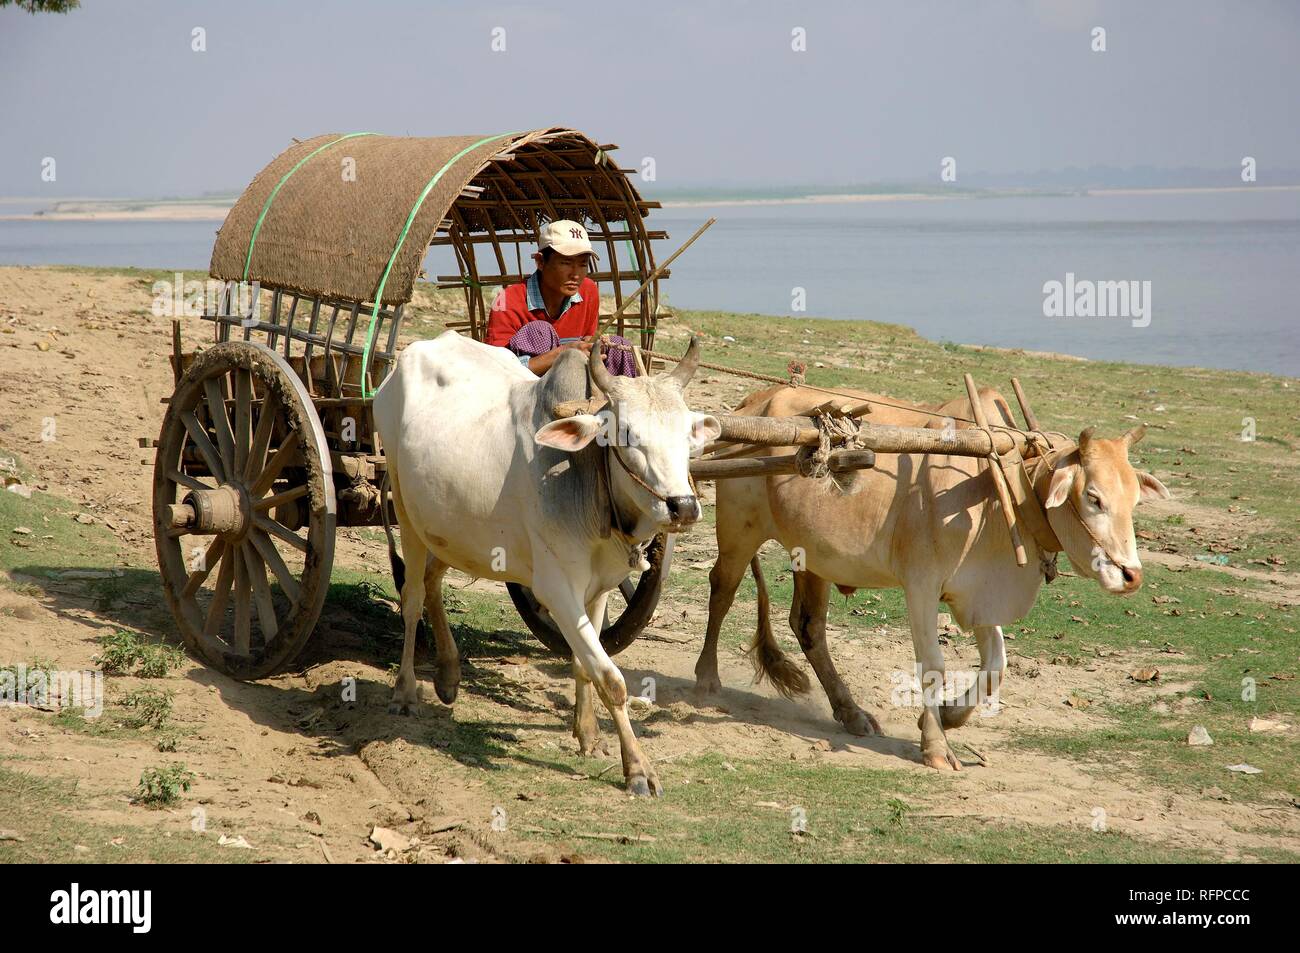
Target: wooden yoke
{"x":999,"y":478}
{"x":1031,"y":421}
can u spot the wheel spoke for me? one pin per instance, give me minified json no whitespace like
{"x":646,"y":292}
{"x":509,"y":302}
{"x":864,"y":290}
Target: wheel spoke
{"x":275,"y":465}
{"x":626,"y":589}
{"x":280,"y":532}
{"x":243,"y":417}
{"x":220,"y":421}
{"x":268,"y":502}
{"x":243,"y":623}
{"x":271,"y":556}
{"x":261,"y":592}
{"x":184,"y":479}
{"x":215,"y":549}
{"x":220,"y":596}
{"x":206,"y":449}
{"x":261,"y":437}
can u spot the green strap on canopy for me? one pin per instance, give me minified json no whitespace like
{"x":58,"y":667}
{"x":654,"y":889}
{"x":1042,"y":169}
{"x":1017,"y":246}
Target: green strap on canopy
{"x":401,"y":240}
{"x":248,"y":259}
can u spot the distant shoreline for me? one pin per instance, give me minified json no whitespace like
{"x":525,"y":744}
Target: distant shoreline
{"x":815,"y":199}
{"x":140,"y":210}
{"x":1195,"y":190}
{"x":115,"y":212}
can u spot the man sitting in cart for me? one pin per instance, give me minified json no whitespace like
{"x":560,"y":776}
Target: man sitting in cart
{"x":557,"y":308}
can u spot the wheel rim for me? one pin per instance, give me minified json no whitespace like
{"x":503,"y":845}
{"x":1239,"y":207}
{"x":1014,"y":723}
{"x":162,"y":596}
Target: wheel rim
{"x":244,"y":510}
{"x":640,"y":599}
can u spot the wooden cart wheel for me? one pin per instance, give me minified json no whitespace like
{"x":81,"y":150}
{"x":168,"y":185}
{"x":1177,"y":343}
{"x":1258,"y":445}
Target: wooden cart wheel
{"x":640,"y":599}
{"x":242,"y":467}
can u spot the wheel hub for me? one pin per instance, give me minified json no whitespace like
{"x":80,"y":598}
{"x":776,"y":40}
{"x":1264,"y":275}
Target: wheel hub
{"x":224,"y":510}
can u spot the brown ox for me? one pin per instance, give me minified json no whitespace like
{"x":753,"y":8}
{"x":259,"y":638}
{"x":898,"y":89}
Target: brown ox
{"x":929,"y":524}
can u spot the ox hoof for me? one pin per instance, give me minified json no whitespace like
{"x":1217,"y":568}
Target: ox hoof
{"x":943,"y":760}
{"x":595,"y":749}
{"x":861,"y":723}
{"x":404,"y":701}
{"x":642,"y":786}
{"x":708,"y":684}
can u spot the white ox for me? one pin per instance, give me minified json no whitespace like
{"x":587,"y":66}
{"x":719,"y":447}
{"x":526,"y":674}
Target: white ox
{"x":485,"y":481}
{"x":928,"y":524}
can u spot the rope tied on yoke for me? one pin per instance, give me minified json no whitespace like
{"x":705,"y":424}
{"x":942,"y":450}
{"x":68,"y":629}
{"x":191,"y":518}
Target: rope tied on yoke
{"x":833,"y":433}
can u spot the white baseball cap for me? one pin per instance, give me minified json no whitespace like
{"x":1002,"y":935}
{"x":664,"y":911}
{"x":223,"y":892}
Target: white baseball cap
{"x":566,"y":237}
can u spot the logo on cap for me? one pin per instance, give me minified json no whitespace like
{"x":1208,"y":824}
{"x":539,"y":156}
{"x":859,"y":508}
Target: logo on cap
{"x":566,"y":237}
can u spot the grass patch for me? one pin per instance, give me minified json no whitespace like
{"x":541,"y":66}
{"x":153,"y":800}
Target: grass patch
{"x":148,"y":707}
{"x":128,"y":653}
{"x":34,"y":664}
{"x":1235,"y":654}
{"x":43,"y":812}
{"x":751,"y":811}
{"x":163,"y":787}
{"x":55,"y":537}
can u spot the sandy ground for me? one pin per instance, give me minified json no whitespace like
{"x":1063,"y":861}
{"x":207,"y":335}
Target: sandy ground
{"x":304,"y":777}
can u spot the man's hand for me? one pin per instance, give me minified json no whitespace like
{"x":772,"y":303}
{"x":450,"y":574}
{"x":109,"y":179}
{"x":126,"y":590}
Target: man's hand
{"x":540,"y":364}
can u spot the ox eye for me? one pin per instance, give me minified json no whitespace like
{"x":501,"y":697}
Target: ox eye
{"x":1095,"y":500}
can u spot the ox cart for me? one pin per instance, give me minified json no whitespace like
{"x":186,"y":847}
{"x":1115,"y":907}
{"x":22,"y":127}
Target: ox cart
{"x":268,"y":443}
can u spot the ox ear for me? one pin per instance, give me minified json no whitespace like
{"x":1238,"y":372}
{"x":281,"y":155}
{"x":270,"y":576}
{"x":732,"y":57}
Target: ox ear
{"x":570,"y":434}
{"x":704,"y":430}
{"x":1062,"y":480}
{"x":1152,"y":489}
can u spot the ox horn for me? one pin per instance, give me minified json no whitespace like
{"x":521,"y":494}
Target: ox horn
{"x":1085,"y":439}
{"x":600,"y":375}
{"x":1134,"y":435}
{"x":685,"y":370}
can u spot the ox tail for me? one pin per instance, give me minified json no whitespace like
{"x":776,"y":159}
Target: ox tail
{"x":769,"y":661}
{"x":395,"y":561}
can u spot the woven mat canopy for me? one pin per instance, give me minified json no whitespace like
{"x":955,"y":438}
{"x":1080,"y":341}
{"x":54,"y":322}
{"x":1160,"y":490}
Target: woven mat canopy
{"x":339,"y":215}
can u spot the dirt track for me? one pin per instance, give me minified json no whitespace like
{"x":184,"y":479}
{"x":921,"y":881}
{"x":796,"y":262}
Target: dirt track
{"x":271,"y":755}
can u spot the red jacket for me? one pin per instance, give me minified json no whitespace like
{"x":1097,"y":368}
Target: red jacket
{"x":510,"y":312}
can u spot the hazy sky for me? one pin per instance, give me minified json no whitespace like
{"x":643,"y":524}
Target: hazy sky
{"x":712,"y":90}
